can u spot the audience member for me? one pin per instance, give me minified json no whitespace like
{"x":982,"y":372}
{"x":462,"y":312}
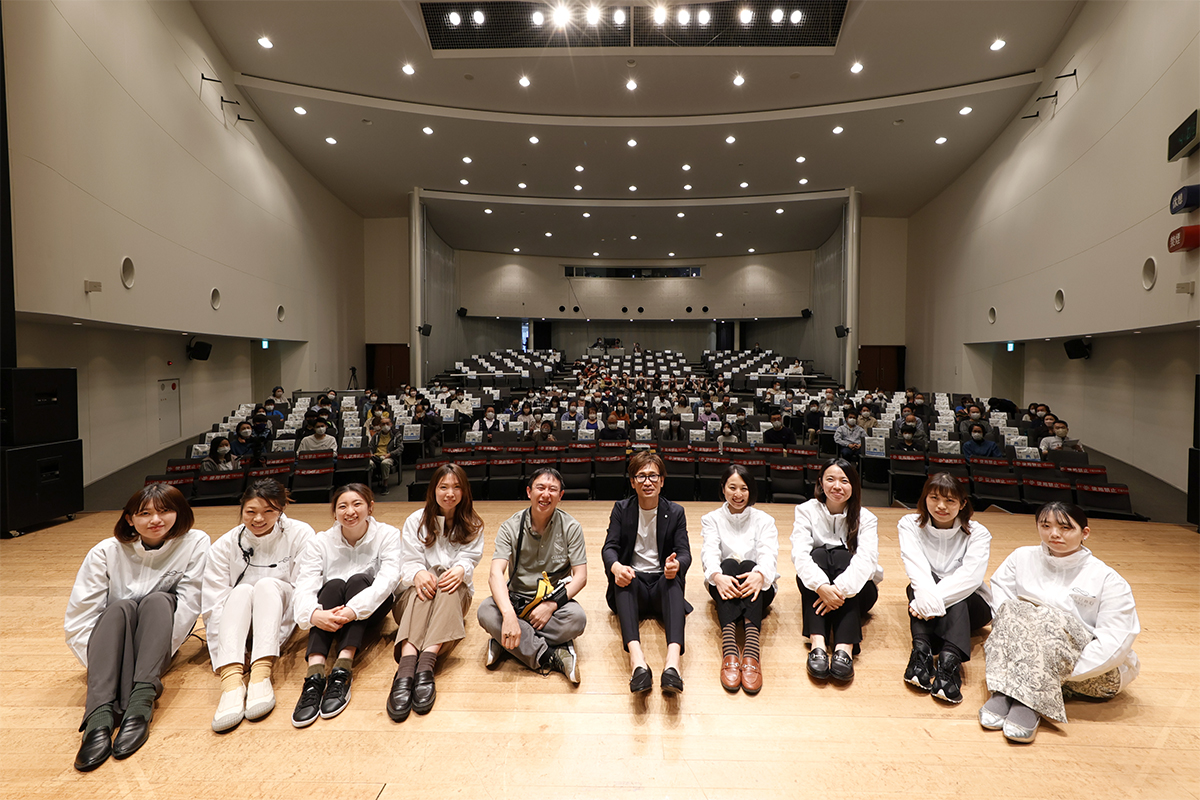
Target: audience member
{"x":777,"y":433}
{"x":220,"y":457}
{"x":386,"y":446}
{"x":976,"y":446}
{"x":1060,"y":440}
{"x":849,"y":438}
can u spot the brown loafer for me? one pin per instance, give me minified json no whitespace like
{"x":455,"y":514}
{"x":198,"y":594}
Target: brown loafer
{"x":731,"y":674}
{"x":751,"y":675}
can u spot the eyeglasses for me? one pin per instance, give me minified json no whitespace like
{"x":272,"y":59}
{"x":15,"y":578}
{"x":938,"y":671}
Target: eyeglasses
{"x":649,"y":478}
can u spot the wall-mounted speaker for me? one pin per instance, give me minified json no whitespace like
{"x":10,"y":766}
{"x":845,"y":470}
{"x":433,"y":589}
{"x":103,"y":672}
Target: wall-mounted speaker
{"x":806,"y":313}
{"x":576,"y":309}
{"x":624,"y":309}
{"x":425,"y":329}
{"x":689,"y":309}
{"x":198,"y":351}
{"x":1078,"y":348}
{"x":841,"y":331}
{"x":705,"y":309}
{"x":562,"y":308}
{"x":462,"y":312}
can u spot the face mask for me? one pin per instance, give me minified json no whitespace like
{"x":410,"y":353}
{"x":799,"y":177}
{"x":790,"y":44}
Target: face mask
{"x":851,"y":422}
{"x":908,"y":437}
{"x":331,"y":397}
{"x":378,"y":414}
{"x":222,"y":451}
{"x":977,"y":436}
{"x":726,"y":431}
{"x":708,"y":409}
{"x":320,"y":430}
{"x":270,"y":409}
{"x":776,"y":424}
{"x":674,"y":423}
{"x":387,"y":428}
{"x":975,"y":415}
{"x":244,"y":433}
{"x":279,"y":396}
{"x":490,"y":415}
{"x":866,"y":415}
{"x":812,"y":409}
{"x":920,"y":402}
{"x":741,"y":417}
{"x":1041,"y":414}
{"x":591,"y":417}
{"x":1060,"y":433}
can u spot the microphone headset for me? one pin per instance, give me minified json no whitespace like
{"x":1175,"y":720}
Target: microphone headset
{"x":247,"y":555}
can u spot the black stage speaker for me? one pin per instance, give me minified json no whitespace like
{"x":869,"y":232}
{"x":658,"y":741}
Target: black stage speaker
{"x":199,"y":351}
{"x":425,"y":329}
{"x":41,"y":482}
{"x":805,"y":313}
{"x":841,"y":331}
{"x":1077,"y":348}
{"x":462,"y":312}
{"x":37,"y":405}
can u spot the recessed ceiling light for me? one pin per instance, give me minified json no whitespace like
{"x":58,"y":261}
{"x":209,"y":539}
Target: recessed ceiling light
{"x":684,"y":16}
{"x":592,"y":15}
{"x":965,"y":110}
{"x":687,"y":187}
{"x":633,"y":188}
{"x":619,"y":17}
{"x":660,"y":15}
{"x":719,"y":235}
{"x":738,"y":80}
{"x":520,"y":186}
{"x":466,"y":159}
{"x":751,"y":250}
{"x":746,"y":16}
{"x":797,"y":17}
{"x":777,"y":16}
{"x":996,"y":45}
{"x":330,"y":140}
{"x":408,"y":69}
{"x":940,"y":140}
{"x":265,"y":42}
{"x":586,"y":214}
{"x":561,"y":16}
{"x":632,"y":237}
{"x":549,"y":234}
{"x":427,"y":130}
{"x":672,"y":255}
{"x":800,"y":159}
{"x":524,"y":81}
{"x":631,"y":85}
{"x":533,"y":140}
{"x":596,"y":253}
{"x":487,"y":211}
{"x":680,"y":215}
{"x":703,"y":17}
{"x":463,"y":181}
{"x":803,"y":181}
{"x":80,"y":323}
{"x":743,"y":184}
{"x":838,"y":129}
{"x":857,"y":67}
{"x":515,"y":250}
{"x":730,"y":139}
{"x":779,"y":211}
{"x":578,"y":188}
{"x":632,"y":143}
{"x":538,"y":18}
{"x":455,"y":19}
{"x":579,"y":167}
{"x":478,"y":17}
{"x":301,"y":110}
{"x":686,"y":167}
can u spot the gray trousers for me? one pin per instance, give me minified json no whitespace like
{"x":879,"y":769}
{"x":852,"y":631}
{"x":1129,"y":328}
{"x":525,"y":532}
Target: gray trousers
{"x":130,"y":644}
{"x":564,"y":625}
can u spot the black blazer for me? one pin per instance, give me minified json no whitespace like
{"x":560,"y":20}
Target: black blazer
{"x":622,"y":535}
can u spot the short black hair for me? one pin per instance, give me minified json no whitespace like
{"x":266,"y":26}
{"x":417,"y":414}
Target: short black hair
{"x":551,"y":471}
{"x":747,"y":478}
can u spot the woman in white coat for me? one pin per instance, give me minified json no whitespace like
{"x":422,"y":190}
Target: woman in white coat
{"x":835,"y":548}
{"x":440,"y":546}
{"x":248,"y":587}
{"x":135,"y":600}
{"x":1065,"y":625}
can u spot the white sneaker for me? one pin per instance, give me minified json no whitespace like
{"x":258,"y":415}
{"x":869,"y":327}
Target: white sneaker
{"x":260,"y":699}
{"x":494,"y":655}
{"x":230,"y":710}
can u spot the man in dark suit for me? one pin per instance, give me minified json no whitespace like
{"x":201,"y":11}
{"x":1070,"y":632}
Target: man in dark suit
{"x":646,"y":558}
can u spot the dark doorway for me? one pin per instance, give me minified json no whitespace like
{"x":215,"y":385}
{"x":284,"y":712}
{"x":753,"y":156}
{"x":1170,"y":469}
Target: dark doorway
{"x":541,"y":334}
{"x":387,"y":367}
{"x":725,"y":336}
{"x":881,"y":367}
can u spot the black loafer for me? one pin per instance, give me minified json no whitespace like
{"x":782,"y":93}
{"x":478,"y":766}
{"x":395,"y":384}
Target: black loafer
{"x":95,"y":750}
{"x":842,"y":667}
{"x":671,"y":681}
{"x":424,"y":692}
{"x":642,"y":680}
{"x":399,"y":701}
{"x":818,"y":664}
{"x":133,"y":734}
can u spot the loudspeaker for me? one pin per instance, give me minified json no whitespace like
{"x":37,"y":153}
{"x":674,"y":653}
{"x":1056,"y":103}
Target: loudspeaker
{"x":198,"y":351}
{"x":462,"y":312}
{"x":41,"y":482}
{"x":425,"y":329}
{"x":806,"y":313}
{"x":37,"y":406}
{"x":1078,"y":348}
{"x":841,"y":331}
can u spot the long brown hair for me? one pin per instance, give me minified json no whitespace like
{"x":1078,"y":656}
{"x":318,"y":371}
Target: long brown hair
{"x":945,"y":485}
{"x":461,"y":528}
{"x":164,"y":497}
{"x":853,"y":505}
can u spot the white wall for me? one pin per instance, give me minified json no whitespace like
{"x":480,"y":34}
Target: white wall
{"x":767,"y":285}
{"x":883,"y":274}
{"x":1076,"y":199}
{"x":385,"y":281}
{"x":118,"y":149}
{"x":1132,"y":399}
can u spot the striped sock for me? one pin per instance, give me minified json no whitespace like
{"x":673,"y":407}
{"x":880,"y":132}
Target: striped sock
{"x":729,"y":640}
{"x":752,"y":643}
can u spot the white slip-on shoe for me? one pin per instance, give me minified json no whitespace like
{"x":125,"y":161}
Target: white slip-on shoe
{"x":230,"y":710}
{"x":260,"y":699}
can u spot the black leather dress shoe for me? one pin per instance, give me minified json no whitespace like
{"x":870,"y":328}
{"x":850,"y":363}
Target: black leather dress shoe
{"x":95,"y":750}
{"x":842,"y":667}
{"x":671,"y":681}
{"x":424,"y":692}
{"x":818,"y":664}
{"x":399,"y":701}
{"x":642,"y":680}
{"x":133,"y":734}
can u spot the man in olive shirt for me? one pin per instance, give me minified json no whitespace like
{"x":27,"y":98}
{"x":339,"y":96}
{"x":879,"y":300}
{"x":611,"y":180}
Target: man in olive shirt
{"x":552,"y":542}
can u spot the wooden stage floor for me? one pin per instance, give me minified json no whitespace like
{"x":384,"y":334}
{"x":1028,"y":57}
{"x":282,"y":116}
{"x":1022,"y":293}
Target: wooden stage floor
{"x":514,"y":734}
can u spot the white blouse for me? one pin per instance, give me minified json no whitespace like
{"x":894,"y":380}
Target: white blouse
{"x":815,"y":527}
{"x":114,"y":570}
{"x":1084,"y":587}
{"x":328,"y":556}
{"x":748,"y":536}
{"x":275,"y":555}
{"x":442,"y":556}
{"x":944,"y":566}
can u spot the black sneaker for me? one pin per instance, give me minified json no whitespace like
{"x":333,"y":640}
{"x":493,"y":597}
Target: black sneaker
{"x":309,"y":705}
{"x":947,"y":683}
{"x":337,"y":693}
{"x":920,"y":667}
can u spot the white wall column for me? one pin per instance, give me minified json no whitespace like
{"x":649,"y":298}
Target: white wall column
{"x":853,"y":238}
{"x":416,"y":274}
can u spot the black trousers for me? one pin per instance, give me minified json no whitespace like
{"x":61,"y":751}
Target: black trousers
{"x":955,"y":626}
{"x":336,"y":593}
{"x":843,"y":625}
{"x":130,"y":644}
{"x":732,"y":610}
{"x":650,"y":595}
